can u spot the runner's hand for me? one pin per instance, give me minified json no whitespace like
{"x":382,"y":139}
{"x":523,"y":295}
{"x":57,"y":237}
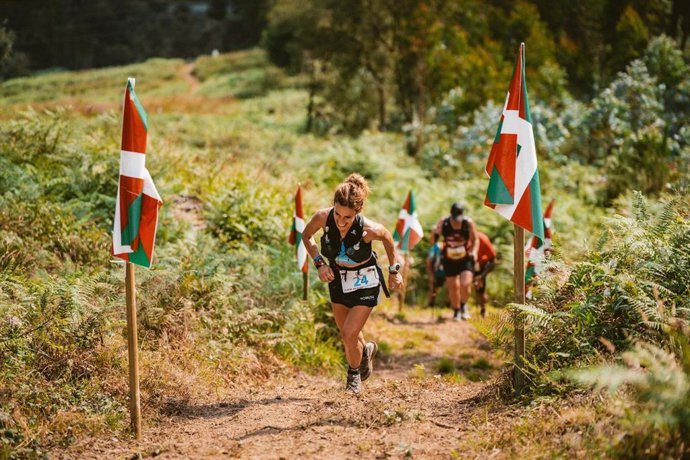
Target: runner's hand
{"x":326,"y":274}
{"x":395,"y":281}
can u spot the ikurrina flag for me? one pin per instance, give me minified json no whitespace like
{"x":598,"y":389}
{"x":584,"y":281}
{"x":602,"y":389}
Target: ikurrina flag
{"x":408,"y":230}
{"x":537,"y":251}
{"x":296,"y":232}
{"x":512,"y":167}
{"x":136,"y":209}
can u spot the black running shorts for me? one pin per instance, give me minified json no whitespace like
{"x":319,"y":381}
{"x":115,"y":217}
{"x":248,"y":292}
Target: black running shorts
{"x":368,"y":297}
{"x":454,"y":267}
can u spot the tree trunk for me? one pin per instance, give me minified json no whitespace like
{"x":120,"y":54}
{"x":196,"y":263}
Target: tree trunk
{"x":382,"y":107}
{"x":312,"y":94}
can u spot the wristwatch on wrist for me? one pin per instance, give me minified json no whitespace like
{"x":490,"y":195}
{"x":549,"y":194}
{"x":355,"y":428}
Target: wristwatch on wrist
{"x":394,"y":269}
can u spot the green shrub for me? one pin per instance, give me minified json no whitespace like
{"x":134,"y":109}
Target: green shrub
{"x":43,"y":235}
{"x":247,"y":214}
{"x":632,"y":287}
{"x":659,"y":380}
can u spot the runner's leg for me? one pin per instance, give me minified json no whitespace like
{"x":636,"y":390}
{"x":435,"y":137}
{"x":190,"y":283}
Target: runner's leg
{"x":465,"y":282}
{"x":453,"y":284}
{"x":340,"y":312}
{"x":352,"y":329}
{"x":350,"y":322}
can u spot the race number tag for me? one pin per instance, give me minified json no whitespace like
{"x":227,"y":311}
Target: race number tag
{"x":353,"y":280}
{"x":456,"y":253}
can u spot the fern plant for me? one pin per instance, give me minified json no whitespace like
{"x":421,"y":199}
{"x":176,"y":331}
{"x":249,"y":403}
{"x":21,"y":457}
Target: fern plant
{"x":659,"y":380}
{"x":630,"y":288}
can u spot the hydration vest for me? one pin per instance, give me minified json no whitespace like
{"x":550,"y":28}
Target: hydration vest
{"x":447,"y":229}
{"x":352,"y":246}
{"x":451,"y":235}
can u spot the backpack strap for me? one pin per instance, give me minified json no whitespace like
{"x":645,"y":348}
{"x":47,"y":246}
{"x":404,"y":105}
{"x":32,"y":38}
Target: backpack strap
{"x":354,"y":235}
{"x":465,"y":228}
{"x":445,"y":227}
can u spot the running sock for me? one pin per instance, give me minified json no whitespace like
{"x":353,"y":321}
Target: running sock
{"x":352,"y":371}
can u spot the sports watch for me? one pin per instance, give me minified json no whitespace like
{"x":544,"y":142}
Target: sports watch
{"x":394,"y":269}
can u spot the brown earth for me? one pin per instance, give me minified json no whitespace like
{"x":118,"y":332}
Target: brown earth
{"x":406,"y":409}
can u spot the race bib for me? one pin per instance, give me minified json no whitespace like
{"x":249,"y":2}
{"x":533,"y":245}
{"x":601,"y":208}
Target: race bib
{"x":353,"y":280}
{"x":456,"y":253}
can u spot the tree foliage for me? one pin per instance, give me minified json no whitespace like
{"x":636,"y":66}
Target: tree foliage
{"x":76,"y":35}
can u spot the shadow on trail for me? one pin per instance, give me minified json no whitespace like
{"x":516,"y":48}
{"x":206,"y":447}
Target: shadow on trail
{"x":181,"y":409}
{"x":270,"y":429}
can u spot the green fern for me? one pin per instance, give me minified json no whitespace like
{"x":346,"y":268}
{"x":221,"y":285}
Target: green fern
{"x":631,"y":288}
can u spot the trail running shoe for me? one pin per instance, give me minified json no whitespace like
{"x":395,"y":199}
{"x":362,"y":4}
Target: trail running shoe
{"x":456,"y":315}
{"x":465,"y":312}
{"x":354,"y":382}
{"x":367,"y":365}
{"x":483,"y":312}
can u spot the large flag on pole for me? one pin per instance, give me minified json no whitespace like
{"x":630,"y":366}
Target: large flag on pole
{"x":512,"y":167}
{"x":138,"y":201}
{"x":408,"y":230}
{"x":537,"y":251}
{"x":296,"y":232}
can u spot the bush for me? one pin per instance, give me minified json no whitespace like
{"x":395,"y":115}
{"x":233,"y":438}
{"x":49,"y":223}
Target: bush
{"x":659,"y":380}
{"x":632,"y":287}
{"x":246,"y":214}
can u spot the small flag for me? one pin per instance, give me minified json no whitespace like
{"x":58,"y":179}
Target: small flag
{"x":296,"y":232}
{"x":537,"y":251}
{"x":408,"y":230}
{"x":138,"y":201}
{"x":512,"y":167}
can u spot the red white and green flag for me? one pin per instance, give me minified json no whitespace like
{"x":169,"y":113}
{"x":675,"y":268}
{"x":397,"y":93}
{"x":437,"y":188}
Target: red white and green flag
{"x":138,"y":201}
{"x":537,"y":250}
{"x":512,"y":167}
{"x":408,"y":230}
{"x":296,"y":233}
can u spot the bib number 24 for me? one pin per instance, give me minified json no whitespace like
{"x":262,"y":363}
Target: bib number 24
{"x":353,"y":281}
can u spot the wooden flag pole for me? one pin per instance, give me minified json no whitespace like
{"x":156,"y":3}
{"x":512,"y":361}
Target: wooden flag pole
{"x":519,"y":271}
{"x":132,"y":346}
{"x":405,"y":273}
{"x":305,"y":279}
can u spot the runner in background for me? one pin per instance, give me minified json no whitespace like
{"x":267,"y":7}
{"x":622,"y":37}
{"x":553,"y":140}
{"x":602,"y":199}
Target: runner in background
{"x":434,"y":269}
{"x":460,"y":245}
{"x":486,"y":261}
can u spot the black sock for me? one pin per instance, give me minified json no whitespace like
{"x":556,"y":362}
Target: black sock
{"x":352,"y":371}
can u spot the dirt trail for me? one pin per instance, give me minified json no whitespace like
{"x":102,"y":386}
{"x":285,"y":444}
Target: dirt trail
{"x":186,"y":72}
{"x":406,"y":408}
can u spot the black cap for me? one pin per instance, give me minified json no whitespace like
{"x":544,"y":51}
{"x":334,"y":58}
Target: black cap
{"x":456,"y":210}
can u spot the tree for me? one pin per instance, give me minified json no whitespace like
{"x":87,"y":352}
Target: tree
{"x":6,"y":41}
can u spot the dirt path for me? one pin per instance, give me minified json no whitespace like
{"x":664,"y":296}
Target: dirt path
{"x":186,"y":72}
{"x":407,"y":409}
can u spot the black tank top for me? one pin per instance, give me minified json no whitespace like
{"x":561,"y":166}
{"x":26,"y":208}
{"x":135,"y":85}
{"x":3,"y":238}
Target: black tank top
{"x":351,"y":250}
{"x":456,"y":237}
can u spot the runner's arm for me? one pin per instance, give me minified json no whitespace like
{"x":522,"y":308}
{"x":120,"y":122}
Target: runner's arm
{"x":317,"y":221}
{"x":486,"y":268}
{"x":474,"y":237}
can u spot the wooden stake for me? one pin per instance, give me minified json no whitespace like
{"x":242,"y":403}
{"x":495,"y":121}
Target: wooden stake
{"x":405,"y":273}
{"x":519,"y":273}
{"x":133,"y":348}
{"x":305,"y":279}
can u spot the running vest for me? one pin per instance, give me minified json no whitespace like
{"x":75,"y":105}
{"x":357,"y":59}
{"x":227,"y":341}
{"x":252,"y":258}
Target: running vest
{"x":352,"y":248}
{"x":454,"y":238}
